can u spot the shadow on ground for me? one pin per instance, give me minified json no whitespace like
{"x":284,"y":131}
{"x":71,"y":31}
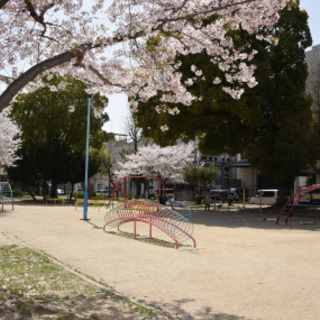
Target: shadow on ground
{"x":175,"y":311}
{"x":252,"y":218}
{"x":100,"y":306}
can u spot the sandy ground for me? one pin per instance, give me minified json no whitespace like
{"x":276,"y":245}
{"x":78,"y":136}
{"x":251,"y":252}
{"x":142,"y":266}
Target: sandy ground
{"x":244,"y":267}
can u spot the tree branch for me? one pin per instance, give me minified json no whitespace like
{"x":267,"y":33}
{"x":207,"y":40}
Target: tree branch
{"x":67,"y":56}
{"x":33,"y":72}
{"x":210,"y":11}
{"x":3,"y":3}
{"x":33,"y":12}
{"x":50,"y":63}
{"x":102,"y":78}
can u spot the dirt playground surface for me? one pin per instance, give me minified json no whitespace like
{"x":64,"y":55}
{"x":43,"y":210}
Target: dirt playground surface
{"x":245,"y":266}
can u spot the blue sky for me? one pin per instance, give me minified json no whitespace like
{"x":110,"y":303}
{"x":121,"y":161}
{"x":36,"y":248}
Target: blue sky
{"x":313,"y":9}
{"x":118,"y":106}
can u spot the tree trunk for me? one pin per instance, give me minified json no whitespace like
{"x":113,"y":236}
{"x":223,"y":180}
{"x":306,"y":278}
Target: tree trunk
{"x":204,"y":189}
{"x":30,"y":192}
{"x":53,"y":191}
{"x":284,"y":193}
{"x":71,"y":192}
{"x":44,"y":190}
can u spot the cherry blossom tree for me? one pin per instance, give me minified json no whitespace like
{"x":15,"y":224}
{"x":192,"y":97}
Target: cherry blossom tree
{"x":166,"y":163}
{"x":8,"y":143}
{"x":127,"y":45}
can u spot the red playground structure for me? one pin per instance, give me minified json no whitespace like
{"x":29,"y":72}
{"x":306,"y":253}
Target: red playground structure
{"x":287,"y":209}
{"x":122,"y":185}
{"x":174,"y":225}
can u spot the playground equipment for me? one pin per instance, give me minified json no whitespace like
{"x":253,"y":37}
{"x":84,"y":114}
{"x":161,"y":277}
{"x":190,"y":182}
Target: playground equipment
{"x":6,"y":194}
{"x":176,"y":226}
{"x":95,"y":203}
{"x":55,"y":201}
{"x":122,"y":185}
{"x":287,"y":209}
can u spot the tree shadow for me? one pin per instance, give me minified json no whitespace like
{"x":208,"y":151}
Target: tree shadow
{"x":302,"y":219}
{"x":175,"y":311}
{"x":102,"y":305}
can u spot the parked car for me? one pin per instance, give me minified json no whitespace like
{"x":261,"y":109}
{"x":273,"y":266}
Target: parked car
{"x":104,"y":193}
{"x":265,"y":196}
{"x":219,"y":194}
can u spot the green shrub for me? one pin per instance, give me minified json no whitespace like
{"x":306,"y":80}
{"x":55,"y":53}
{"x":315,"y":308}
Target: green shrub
{"x":78,"y":195}
{"x":153,"y":196}
{"x":17,"y":193}
{"x":198,"y":198}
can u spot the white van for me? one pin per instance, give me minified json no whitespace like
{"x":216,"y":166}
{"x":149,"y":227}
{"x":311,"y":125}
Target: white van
{"x":268,"y":196}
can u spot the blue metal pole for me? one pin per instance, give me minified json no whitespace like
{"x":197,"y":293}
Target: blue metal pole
{"x":86,"y":189}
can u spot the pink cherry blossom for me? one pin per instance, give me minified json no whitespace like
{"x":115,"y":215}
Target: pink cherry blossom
{"x":166,"y":163}
{"x":125,"y":45}
{"x":8,"y":143}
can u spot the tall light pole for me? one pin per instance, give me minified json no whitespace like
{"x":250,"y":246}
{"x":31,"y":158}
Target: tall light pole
{"x":86,"y":189}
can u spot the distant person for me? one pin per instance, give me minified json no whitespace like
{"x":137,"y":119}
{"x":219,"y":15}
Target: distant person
{"x":235,"y":197}
{"x":207,"y":200}
{"x":161,"y":200}
{"x":221,"y":201}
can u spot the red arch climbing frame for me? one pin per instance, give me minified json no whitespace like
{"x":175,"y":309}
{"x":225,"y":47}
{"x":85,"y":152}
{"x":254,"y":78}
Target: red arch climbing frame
{"x":294,"y":200}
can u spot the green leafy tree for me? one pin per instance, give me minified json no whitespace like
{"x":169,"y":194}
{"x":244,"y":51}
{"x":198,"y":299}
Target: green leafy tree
{"x":198,"y":175}
{"x":313,"y":87}
{"x":53,"y":132}
{"x":23,"y":170}
{"x":106,"y":164}
{"x":268,"y":122}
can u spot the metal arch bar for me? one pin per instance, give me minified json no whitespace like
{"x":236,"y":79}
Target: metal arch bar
{"x":143,"y":206}
{"x":128,"y":219}
{"x":146,"y":220}
{"x":116,"y":186}
{"x":304,"y":192}
{"x":135,"y":219}
{"x":3,"y":189}
{"x":190,"y":213}
{"x":12,"y":202}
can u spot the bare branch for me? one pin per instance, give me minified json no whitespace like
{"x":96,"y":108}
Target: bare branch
{"x":33,"y":12}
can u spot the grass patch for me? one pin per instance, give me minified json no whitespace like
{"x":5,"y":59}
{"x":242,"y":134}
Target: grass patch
{"x":24,"y":270}
{"x":32,"y":286}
